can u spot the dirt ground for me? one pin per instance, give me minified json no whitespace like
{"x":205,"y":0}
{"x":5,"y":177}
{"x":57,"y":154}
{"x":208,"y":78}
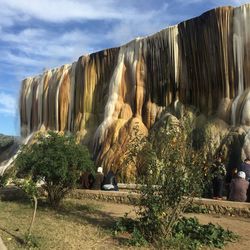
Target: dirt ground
{"x":240,"y":226}
{"x":86,"y":224}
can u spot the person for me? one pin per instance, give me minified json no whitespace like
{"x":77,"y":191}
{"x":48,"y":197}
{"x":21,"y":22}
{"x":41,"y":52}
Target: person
{"x":231,"y":174}
{"x":98,"y":179}
{"x":245,"y":167}
{"x":87,"y":179}
{"x":109,"y":182}
{"x":218,"y":172}
{"x":239,"y":187}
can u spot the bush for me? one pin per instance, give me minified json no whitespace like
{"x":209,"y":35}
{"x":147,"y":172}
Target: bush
{"x":3,"y":180}
{"x":7,"y":177}
{"x":55,"y":159}
{"x":187,"y":233}
{"x":202,"y":235}
{"x":172,"y":174}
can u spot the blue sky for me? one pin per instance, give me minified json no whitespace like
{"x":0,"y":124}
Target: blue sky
{"x":40,"y":34}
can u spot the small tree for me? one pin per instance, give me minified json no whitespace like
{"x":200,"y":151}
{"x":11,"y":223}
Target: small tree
{"x":171,"y":176}
{"x":30,"y":188}
{"x":172,"y":172}
{"x":55,"y":159}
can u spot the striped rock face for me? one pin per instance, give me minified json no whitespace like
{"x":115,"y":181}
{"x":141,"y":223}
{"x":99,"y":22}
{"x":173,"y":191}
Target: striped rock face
{"x":204,"y":62}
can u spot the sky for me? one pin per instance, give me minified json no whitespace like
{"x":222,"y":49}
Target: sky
{"x":40,"y":34}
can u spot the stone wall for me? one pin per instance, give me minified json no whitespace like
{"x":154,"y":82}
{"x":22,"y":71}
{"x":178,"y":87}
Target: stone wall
{"x":222,"y":207}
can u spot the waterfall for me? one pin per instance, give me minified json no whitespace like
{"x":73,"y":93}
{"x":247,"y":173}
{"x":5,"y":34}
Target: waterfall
{"x":241,"y":39}
{"x":199,"y":62}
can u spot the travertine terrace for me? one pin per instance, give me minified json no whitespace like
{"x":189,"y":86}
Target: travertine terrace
{"x":204,"y":62}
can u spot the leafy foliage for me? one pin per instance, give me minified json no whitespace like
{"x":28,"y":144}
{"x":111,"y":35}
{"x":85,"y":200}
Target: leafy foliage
{"x":126,"y":224}
{"x":209,"y":235}
{"x":3,"y":180}
{"x":55,"y":159}
{"x":31,"y":241}
{"x":28,"y":186}
{"x":7,"y":177}
{"x":6,"y":141}
{"x":172,"y":172}
{"x":187,"y":233}
{"x":195,"y":208}
{"x":172,"y":175}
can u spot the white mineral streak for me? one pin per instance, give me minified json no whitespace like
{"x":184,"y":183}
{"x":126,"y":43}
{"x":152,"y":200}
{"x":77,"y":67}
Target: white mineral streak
{"x":245,"y":115}
{"x":128,"y":55}
{"x":72,"y":97}
{"x":173,"y":35}
{"x":8,"y":163}
{"x":241,"y":39}
{"x":57,"y":97}
{"x":39,"y":98}
{"x":234,"y":107}
{"x":28,"y":105}
{"x":245,"y":152}
{"x":47,"y":75}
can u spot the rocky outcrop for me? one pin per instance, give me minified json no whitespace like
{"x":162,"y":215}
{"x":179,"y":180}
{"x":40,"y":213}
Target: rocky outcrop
{"x":8,"y":147}
{"x":103,"y":97}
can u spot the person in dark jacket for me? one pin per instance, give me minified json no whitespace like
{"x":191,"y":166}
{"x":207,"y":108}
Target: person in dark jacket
{"x":239,"y":187}
{"x":98,"y":179}
{"x":109,"y":182}
{"x":87,"y":179}
{"x":218,"y":172}
{"x":245,"y":167}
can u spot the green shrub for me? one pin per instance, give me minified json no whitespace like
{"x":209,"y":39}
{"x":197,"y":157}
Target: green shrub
{"x":55,"y":159}
{"x":202,"y":235}
{"x":4,"y":180}
{"x":172,"y":174}
{"x":195,"y":208}
{"x":187,"y":233}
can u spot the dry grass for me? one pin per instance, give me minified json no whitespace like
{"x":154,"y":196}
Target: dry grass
{"x":76,"y":225}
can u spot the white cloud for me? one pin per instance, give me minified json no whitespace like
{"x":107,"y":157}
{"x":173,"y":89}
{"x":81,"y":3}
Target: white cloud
{"x":66,"y":10}
{"x":30,"y":49}
{"x":8,"y":104}
{"x":213,"y":2}
{"x":41,"y":48}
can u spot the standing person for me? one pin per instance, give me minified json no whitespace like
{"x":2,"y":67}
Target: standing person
{"x":98,"y":179}
{"x":245,"y":167}
{"x":218,"y":174}
{"x":239,"y":187}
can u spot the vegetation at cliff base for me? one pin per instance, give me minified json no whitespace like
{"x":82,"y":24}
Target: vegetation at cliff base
{"x":172,"y":173}
{"x":57,"y":161}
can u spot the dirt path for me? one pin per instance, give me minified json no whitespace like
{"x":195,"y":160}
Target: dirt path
{"x":240,"y":226}
{"x":2,"y":246}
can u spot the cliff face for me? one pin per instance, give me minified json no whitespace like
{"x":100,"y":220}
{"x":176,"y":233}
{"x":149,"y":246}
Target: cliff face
{"x":204,"y":62}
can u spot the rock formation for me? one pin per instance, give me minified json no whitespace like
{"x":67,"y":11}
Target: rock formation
{"x":203,"y":62}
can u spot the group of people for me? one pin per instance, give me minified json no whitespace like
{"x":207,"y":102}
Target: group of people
{"x":99,"y":181}
{"x":236,"y":182}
